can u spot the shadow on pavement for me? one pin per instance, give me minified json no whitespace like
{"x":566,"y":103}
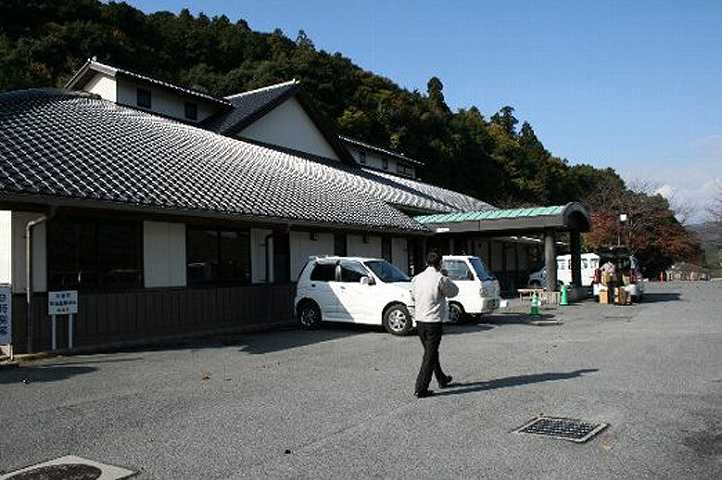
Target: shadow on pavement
{"x":515,"y":318}
{"x":31,"y":375}
{"x":506,"y":382}
{"x":660,"y":297}
{"x":277,"y":341}
{"x":458,"y":329}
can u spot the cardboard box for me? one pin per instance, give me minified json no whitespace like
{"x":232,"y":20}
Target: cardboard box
{"x":622,"y":297}
{"x":606,"y":296}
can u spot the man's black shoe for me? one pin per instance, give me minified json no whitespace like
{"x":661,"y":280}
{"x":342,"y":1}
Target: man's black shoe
{"x":446,"y":382}
{"x":424,"y":394}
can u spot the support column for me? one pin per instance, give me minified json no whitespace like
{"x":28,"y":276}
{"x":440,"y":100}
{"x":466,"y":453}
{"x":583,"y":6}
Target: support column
{"x":575,"y":244}
{"x":550,"y":260}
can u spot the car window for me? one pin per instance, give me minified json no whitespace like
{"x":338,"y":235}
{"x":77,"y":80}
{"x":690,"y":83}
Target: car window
{"x":352,"y":272}
{"x":324,"y":272}
{"x":386,"y":272}
{"x":457,"y":269}
{"x":480,"y":269}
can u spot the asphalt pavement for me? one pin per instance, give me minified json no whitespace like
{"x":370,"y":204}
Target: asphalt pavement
{"x":338,"y":403}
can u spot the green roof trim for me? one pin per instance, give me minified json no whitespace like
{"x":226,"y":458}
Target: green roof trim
{"x":459,"y":217}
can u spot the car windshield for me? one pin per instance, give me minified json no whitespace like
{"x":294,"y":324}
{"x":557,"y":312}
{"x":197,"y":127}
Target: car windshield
{"x":480,"y":269}
{"x":386,"y":272}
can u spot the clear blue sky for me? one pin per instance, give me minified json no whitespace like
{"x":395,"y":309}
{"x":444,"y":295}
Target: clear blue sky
{"x":631,"y":85}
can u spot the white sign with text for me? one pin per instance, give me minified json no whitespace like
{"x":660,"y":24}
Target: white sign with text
{"x":63,"y":303}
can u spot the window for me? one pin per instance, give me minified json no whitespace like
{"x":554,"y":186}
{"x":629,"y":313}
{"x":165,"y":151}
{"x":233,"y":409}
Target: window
{"x":352,"y":272}
{"x":405,"y":169}
{"x":386,"y":249}
{"x":91,"y":254}
{"x":218,"y":256}
{"x":480,"y":269}
{"x":385,"y":163}
{"x":362,"y":157}
{"x":339,"y":244}
{"x":585,"y":263}
{"x":324,"y":272}
{"x":143,"y":99}
{"x":191,"y":111}
{"x":387,"y":272}
{"x":457,"y":270}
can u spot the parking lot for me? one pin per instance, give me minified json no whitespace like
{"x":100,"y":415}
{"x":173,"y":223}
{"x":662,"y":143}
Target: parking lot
{"x":338,"y":403}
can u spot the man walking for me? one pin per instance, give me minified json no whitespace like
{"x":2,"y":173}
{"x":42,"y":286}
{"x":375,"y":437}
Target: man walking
{"x":430,"y":290}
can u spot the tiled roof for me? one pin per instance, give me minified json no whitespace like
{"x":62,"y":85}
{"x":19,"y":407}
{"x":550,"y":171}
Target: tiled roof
{"x":249,"y":106}
{"x":91,"y":66}
{"x":426,"y":196}
{"x":383,"y":151}
{"x":69,"y":145}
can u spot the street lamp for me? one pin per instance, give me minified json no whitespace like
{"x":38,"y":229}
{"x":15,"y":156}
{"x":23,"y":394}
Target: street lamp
{"x":622,"y":220}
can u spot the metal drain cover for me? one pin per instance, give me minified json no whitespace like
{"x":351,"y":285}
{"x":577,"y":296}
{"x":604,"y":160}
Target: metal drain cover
{"x":69,"y":468}
{"x":569,"y":429}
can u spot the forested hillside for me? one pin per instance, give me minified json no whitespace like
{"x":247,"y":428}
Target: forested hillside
{"x":493,"y":158}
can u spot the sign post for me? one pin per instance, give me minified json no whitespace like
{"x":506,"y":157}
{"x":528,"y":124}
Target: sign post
{"x":63,"y":303}
{"x":6,"y":317}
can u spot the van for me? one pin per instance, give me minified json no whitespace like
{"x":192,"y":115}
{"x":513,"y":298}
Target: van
{"x":479,"y":291}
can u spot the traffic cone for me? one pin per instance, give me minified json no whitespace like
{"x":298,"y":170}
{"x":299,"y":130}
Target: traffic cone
{"x":564,"y":301}
{"x":534,"y":312}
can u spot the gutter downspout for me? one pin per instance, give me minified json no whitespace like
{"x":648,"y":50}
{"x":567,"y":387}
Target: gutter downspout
{"x":29,"y":272}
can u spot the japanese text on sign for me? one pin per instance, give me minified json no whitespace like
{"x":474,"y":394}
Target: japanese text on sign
{"x":5,"y":315}
{"x":63,"y":303}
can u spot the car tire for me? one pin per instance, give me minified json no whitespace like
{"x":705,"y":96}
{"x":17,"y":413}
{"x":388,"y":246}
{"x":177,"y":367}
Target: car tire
{"x":397,"y":320}
{"x":309,"y":315}
{"x":457,"y":315}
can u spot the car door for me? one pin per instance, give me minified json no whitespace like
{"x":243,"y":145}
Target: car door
{"x":353,"y":297}
{"x":319,"y":289}
{"x":460,"y":272}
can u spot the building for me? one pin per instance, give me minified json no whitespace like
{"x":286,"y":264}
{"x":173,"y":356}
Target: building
{"x":173,"y":212}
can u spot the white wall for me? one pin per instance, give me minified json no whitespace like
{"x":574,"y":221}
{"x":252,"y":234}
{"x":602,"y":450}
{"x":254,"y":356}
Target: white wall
{"x":103,"y":85}
{"x":163,"y":101}
{"x":357,"y":248}
{"x":375,"y":160}
{"x":6,"y":256}
{"x":40,"y":272}
{"x":303,"y":247}
{"x":258,"y":255}
{"x":289,"y":126}
{"x":164,"y":254}
{"x":399,"y":254}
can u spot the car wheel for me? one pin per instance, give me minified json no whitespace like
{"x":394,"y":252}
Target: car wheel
{"x":456,"y":313}
{"x":397,"y":320}
{"x":309,"y":315}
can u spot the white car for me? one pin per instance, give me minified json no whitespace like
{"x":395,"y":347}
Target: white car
{"x":479,"y":291}
{"x":360,"y":290}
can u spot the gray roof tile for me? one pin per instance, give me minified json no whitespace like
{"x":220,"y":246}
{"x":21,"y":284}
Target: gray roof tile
{"x":73,"y":145}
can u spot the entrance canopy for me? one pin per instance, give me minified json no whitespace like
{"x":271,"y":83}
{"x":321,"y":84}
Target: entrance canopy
{"x":570,"y":217}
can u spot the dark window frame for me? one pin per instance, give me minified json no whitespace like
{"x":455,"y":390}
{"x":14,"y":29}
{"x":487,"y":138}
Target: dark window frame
{"x":191,"y":111}
{"x":219,"y":279}
{"x":94,"y":251}
{"x":141,"y":95}
{"x":387,"y":249}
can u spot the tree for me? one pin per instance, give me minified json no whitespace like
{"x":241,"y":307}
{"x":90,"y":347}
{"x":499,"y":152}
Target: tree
{"x":506,"y":120}
{"x":434,"y":89}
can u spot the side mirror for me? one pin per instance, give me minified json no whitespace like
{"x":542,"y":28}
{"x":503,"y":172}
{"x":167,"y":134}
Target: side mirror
{"x":367,"y":281}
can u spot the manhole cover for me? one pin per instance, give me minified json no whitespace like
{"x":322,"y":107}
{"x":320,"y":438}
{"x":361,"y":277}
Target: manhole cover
{"x":69,"y":468}
{"x":562,"y":428}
